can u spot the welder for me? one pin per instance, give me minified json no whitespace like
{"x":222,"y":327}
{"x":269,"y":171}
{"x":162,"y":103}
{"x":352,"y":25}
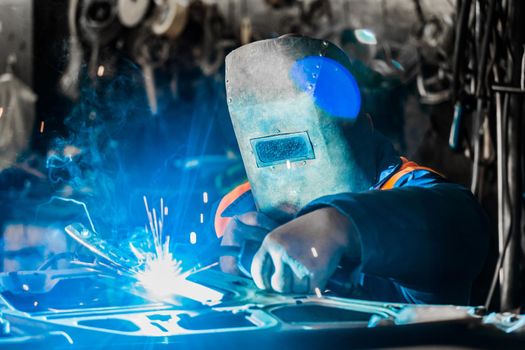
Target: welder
{"x":325,"y":188}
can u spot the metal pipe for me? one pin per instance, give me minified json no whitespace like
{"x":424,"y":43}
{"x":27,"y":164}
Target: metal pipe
{"x":480,"y":110}
{"x":510,"y":286}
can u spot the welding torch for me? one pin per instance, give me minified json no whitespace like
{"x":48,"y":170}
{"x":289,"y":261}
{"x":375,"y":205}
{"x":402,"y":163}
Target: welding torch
{"x":125,"y":264}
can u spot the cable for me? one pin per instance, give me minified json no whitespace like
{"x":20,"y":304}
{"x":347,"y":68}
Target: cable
{"x":459,"y":44}
{"x":53,"y":259}
{"x":480,"y":110}
{"x":502,"y":195}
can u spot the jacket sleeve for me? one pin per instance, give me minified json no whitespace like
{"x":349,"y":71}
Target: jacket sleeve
{"x":426,"y":235}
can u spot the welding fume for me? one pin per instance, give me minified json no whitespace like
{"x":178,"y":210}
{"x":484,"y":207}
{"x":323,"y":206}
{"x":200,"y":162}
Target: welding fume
{"x":261,"y":173}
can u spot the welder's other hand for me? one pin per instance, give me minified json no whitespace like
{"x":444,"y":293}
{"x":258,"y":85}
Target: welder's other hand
{"x":252,"y":226}
{"x":302,"y":254}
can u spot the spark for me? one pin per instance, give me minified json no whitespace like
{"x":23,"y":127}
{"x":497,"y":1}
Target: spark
{"x":100,"y":70}
{"x":42,"y":124}
{"x":205,"y":197}
{"x":161,"y":274}
{"x":164,"y":279}
{"x":137,"y":252}
{"x":288,"y":164}
{"x":25,"y":287}
{"x":318,"y":292}
{"x":193,"y":237}
{"x":202,"y":218}
{"x":314,"y":252}
{"x":35,"y":304}
{"x":162,"y":209}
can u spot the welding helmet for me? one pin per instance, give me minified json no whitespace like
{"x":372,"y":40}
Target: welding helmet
{"x":295,"y":108}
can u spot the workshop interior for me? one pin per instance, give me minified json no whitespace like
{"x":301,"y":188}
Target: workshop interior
{"x":124,"y":125}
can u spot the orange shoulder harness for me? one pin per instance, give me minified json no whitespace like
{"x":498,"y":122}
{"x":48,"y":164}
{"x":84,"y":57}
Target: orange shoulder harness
{"x":406,"y":167}
{"x":220,"y":222}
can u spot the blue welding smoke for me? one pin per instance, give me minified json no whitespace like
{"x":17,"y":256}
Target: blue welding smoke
{"x":116,"y":152}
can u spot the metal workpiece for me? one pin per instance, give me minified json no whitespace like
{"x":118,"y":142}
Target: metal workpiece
{"x":114,"y":312}
{"x":130,"y":315}
{"x":296,"y":146}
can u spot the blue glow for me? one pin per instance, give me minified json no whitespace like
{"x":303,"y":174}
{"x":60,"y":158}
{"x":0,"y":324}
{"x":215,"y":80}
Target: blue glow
{"x":332,"y":86}
{"x":113,"y":152}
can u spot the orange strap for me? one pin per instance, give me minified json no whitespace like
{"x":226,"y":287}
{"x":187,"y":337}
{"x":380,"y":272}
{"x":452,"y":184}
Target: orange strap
{"x":226,"y":201}
{"x":406,"y":167}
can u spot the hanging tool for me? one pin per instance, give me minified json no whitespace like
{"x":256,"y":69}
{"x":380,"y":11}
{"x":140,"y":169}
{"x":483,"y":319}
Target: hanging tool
{"x":99,"y":25}
{"x":69,"y":80}
{"x":169,"y":17}
{"x":16,"y":115}
{"x":150,"y":52}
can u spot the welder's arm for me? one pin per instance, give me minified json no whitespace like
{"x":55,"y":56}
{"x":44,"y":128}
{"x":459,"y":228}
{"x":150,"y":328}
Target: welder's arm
{"x":424,"y":238}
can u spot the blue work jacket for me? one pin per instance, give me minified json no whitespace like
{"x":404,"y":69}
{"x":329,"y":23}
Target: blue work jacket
{"x":424,"y":240}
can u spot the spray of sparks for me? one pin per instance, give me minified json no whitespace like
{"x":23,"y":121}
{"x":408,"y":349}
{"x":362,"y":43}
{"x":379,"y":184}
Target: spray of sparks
{"x":160,"y":274}
{"x":157,"y":271}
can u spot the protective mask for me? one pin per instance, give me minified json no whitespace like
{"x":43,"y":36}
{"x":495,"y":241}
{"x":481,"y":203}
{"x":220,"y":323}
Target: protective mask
{"x":289,"y":99}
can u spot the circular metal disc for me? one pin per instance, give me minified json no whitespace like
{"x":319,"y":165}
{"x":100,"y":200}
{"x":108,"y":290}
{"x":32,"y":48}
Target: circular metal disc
{"x":132,"y":12}
{"x":170,"y":18}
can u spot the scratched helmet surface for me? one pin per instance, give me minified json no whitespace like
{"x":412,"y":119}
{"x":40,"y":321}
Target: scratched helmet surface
{"x":288,"y":100}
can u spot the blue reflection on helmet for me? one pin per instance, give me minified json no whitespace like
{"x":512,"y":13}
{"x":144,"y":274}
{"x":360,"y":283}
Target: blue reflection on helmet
{"x":333,"y":87}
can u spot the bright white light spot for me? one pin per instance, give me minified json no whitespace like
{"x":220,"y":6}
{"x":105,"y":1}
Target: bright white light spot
{"x":1,"y":111}
{"x":163,"y":279}
{"x":35,"y":304}
{"x":193,"y":237}
{"x":42,"y":124}
{"x":160,"y":275}
{"x":318,"y":292}
{"x":314,"y":252}
{"x":198,"y":292}
{"x":205,"y":197}
{"x":365,"y":36}
{"x":25,"y":287}
{"x":100,"y":70}
{"x":288,"y":164}
{"x":165,"y":211}
{"x":202,"y":218}
{"x":192,"y":163}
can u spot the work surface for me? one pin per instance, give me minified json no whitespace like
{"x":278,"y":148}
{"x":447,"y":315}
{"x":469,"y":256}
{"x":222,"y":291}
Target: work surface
{"x":82,"y":308}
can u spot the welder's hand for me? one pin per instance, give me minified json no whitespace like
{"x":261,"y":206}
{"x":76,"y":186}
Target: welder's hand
{"x":302,"y":254}
{"x":250,"y":226}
